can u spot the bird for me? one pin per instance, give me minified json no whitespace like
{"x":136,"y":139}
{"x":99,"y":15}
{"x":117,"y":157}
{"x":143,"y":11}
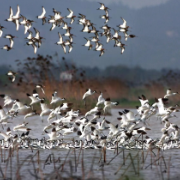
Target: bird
{"x":40,"y":86}
{"x":21,"y":127}
{"x":88,"y":92}
{"x":14,"y":18}
{"x":42,"y":16}
{"x":34,"y":97}
{"x":12,"y":74}
{"x":10,"y":15}
{"x":10,"y":37}
{"x":100,"y":99}
{"x":106,"y":17}
{"x":103,"y":7}
{"x":6,"y":47}
{"x":60,"y":42}
{"x":55,"y":98}
{"x":7,"y":99}
{"x":88,"y":44}
{"x":92,"y":111}
{"x":1,"y":30}
{"x":124,"y":25}
{"x":70,"y":13}
{"x":128,"y":36}
{"x":33,"y":113}
{"x":113,"y":129}
{"x":169,"y":93}
{"x":53,"y":135}
{"x":44,"y":109}
{"x":4,"y":117}
{"x":108,"y":105}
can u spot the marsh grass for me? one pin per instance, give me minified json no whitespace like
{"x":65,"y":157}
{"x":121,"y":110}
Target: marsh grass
{"x":77,"y":164}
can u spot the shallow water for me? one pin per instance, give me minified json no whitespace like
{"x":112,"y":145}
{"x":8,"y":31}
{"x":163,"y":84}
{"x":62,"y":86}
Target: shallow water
{"x":99,"y":170}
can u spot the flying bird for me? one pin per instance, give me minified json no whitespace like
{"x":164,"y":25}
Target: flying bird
{"x":12,"y":74}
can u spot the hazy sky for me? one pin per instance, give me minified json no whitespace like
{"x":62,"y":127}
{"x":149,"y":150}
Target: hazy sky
{"x":155,"y":22}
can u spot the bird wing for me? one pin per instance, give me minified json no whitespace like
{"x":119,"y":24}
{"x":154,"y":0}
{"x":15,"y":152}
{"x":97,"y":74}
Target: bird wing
{"x":11,"y":42}
{"x":10,"y":12}
{"x":35,"y":48}
{"x":18,"y":12}
{"x":44,"y":12}
{"x":64,"y":48}
{"x":70,"y":48}
{"x":1,"y":32}
{"x":60,"y":37}
{"x":71,"y":12}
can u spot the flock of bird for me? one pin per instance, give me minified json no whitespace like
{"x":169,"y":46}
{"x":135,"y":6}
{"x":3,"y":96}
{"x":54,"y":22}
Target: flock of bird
{"x":57,"y":20}
{"x":91,"y":130}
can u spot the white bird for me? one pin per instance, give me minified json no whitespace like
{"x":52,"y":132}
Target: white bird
{"x":102,"y":7}
{"x":1,"y":30}
{"x":108,"y":105}
{"x":4,"y":117}
{"x":92,"y":111}
{"x":22,"y":108}
{"x":6,"y":136}
{"x":44,"y":109}
{"x":39,"y":86}
{"x":85,"y":28}
{"x":16,"y":16}
{"x":13,"y":74}
{"x":55,"y":98}
{"x":60,"y":40}
{"x":34,"y":97}
{"x":88,"y":92}
{"x":124,"y":25}
{"x":70,"y":14}
{"x":31,"y":114}
{"x":7,"y":99}
{"x":10,"y":15}
{"x":20,"y":127}
{"x":88,"y":44}
{"x":169,"y":93}
{"x":113,"y":129}
{"x":53,"y":135}
{"x":42,"y":14}
{"x":100,"y":99}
